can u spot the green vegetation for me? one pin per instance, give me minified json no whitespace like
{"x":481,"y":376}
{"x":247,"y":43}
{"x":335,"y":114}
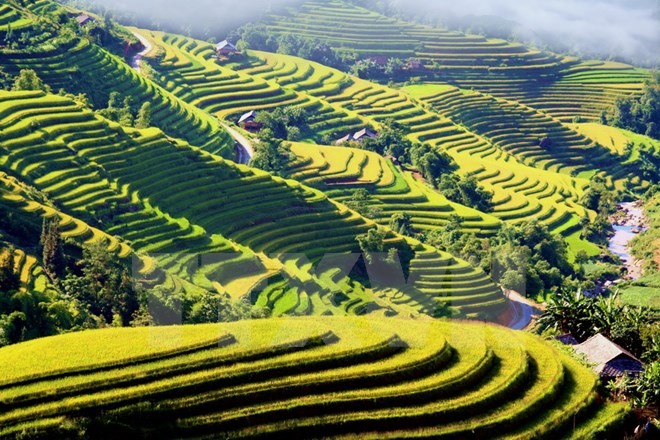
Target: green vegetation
{"x":486,"y":171}
{"x":639,"y":114}
{"x":300,"y":377}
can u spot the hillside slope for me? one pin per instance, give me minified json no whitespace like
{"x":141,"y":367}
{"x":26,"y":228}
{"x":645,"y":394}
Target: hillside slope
{"x":246,"y":225}
{"x":300,"y":377}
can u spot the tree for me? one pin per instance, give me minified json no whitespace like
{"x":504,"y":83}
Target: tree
{"x":103,"y":285}
{"x":638,"y":113}
{"x":272,"y":154}
{"x":6,"y":80}
{"x":52,"y":250}
{"x":401,"y":223}
{"x":284,"y":122}
{"x":28,"y":80}
{"x":371,"y":242}
{"x":465,"y":190}
{"x":144,"y":116}
{"x":9,"y":280}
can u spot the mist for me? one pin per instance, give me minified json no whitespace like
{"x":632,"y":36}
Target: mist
{"x":201,"y":19}
{"x":627,"y":30}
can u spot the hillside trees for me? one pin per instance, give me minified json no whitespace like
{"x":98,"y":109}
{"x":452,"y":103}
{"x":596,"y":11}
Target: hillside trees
{"x":288,"y":123}
{"x":103,"y":286}
{"x":144,"y":116}
{"x":362,"y":202}
{"x":639,"y":114}
{"x":9,"y":280}
{"x":272,"y":154}
{"x":52,"y":250}
{"x":27,"y":79}
{"x":465,"y":190}
{"x":392,"y":141}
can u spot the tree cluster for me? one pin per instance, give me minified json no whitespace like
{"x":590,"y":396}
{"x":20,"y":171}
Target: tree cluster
{"x":122,"y":112}
{"x":640,"y":114}
{"x":289,"y":123}
{"x":258,"y":37}
{"x":466,"y":191}
{"x":272,"y":154}
{"x":526,"y":258}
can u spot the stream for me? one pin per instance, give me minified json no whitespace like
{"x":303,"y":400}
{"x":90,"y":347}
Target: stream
{"x":626,"y":228}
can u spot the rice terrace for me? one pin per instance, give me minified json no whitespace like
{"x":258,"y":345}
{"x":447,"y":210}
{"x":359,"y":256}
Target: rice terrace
{"x":329,"y":219}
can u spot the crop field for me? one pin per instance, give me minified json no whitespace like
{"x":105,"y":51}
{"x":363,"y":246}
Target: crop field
{"x":339,"y":171}
{"x":303,"y":377}
{"x":60,"y":62}
{"x":561,"y":86}
{"x":108,"y":163}
{"x":528,"y":181}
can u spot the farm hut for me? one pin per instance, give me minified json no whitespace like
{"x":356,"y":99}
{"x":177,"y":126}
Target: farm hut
{"x":84,"y":19}
{"x":363,"y":134}
{"x":610,"y":360}
{"x":248,"y":121}
{"x":356,"y":137}
{"x":380,"y":61}
{"x":414,"y":64}
{"x":225,"y":48}
{"x":343,"y":140}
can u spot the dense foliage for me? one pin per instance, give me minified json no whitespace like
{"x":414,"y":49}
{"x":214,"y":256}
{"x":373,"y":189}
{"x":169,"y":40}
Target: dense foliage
{"x":640,"y":114}
{"x":525,"y":258}
{"x":272,"y":153}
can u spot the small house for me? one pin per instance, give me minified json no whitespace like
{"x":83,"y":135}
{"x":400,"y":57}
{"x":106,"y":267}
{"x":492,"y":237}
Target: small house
{"x":357,"y":136}
{"x":248,"y":121}
{"x":225,"y":49}
{"x":343,"y":140}
{"x":379,"y":60}
{"x":84,"y":19}
{"x":414,"y":64}
{"x":363,"y":134}
{"x":610,"y":360}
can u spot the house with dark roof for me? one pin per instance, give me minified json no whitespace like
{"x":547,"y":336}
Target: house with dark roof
{"x":225,"y":48}
{"x":84,"y":19}
{"x":248,"y":121}
{"x":609,"y":359}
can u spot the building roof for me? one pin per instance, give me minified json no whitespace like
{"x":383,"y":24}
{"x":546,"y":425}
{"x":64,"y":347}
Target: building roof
{"x":362,"y":133}
{"x":344,"y":139}
{"x":609,"y":358}
{"x":225,"y":45}
{"x":249,"y":115}
{"x":83,"y":19}
{"x":380,"y":60}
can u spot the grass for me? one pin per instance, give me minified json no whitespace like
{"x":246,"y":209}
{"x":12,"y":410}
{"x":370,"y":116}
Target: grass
{"x":642,"y":296}
{"x":343,"y":376}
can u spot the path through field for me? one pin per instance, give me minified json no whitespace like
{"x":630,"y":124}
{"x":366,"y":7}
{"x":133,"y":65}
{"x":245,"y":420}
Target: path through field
{"x":246,"y":151}
{"x":136,"y":61}
{"x":525,"y":311}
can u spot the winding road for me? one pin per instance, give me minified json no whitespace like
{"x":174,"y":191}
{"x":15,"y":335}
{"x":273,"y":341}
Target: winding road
{"x":136,"y":61}
{"x":525,"y":311}
{"x":245,"y":147}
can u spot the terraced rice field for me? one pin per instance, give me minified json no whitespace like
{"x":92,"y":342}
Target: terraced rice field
{"x":146,"y":190}
{"x":302,"y":377}
{"x":563,"y":87}
{"x":60,"y":62}
{"x":505,"y":161}
{"x":339,"y":171}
